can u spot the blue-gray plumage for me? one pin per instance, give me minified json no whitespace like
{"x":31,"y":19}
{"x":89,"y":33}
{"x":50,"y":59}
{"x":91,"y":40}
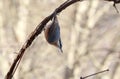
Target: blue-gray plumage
{"x":52,"y":33}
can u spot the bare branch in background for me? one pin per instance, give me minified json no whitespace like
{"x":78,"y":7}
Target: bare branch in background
{"x":94,"y":74}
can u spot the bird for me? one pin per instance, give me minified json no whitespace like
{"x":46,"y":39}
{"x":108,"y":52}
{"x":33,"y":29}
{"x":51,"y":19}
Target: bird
{"x":52,"y":33}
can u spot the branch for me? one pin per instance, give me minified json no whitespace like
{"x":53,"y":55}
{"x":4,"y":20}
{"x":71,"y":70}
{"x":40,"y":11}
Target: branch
{"x":94,"y":74}
{"x":114,"y":5}
{"x":36,"y":32}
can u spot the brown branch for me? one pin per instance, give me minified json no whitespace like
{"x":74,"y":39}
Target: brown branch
{"x":115,"y":1}
{"x":33,"y":35}
{"x":36,"y":32}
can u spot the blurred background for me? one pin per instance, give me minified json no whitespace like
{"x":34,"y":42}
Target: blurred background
{"x":90,"y":32}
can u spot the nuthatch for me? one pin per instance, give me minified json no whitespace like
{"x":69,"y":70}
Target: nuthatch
{"x":52,"y":33}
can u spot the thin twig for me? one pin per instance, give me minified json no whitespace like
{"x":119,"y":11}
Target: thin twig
{"x":114,"y":4}
{"x":94,"y":74}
